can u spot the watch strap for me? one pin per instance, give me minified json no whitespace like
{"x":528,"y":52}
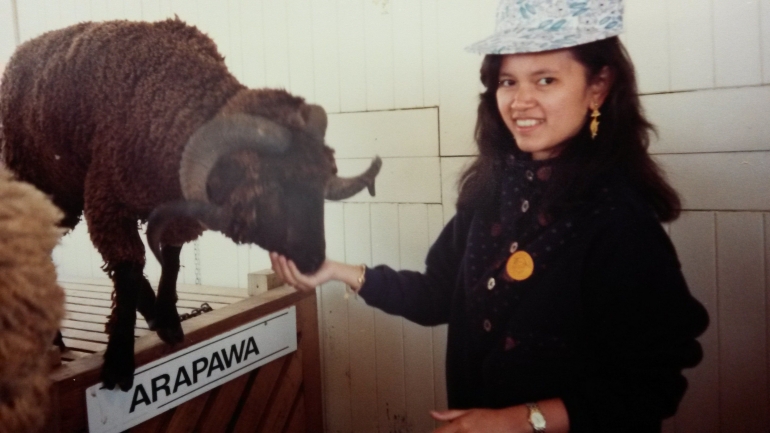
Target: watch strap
{"x":536,"y":418}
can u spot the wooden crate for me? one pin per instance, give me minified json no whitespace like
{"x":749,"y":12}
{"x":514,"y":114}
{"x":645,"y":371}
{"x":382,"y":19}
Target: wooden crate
{"x":281,"y":396}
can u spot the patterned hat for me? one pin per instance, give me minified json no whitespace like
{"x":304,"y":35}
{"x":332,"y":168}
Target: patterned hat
{"x":529,"y":26}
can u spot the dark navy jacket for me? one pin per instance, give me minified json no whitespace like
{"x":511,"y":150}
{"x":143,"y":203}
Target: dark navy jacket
{"x":605,"y":322}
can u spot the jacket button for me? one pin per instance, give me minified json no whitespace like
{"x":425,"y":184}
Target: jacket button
{"x":487,"y":325}
{"x":525,"y":206}
{"x":491,"y":283}
{"x":529,"y":175}
{"x":514,"y":247}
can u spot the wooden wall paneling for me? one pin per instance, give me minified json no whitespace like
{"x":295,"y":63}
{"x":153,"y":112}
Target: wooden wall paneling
{"x":156,"y":10}
{"x":326,"y":66}
{"x":439,"y":333}
{"x":688,"y":123}
{"x":389,"y":331}
{"x":186,"y":416}
{"x":646,"y":36}
{"x":256,"y":406}
{"x":29,"y":22}
{"x":259,"y":259}
{"x":737,"y":43}
{"x":131,"y":10}
{"x":764,"y":6}
{"x":401,"y":180}
{"x":218,"y":260}
{"x":244,"y":264}
{"x":153,"y":425}
{"x":72,"y":255}
{"x":461,"y":23}
{"x":101,"y":10}
{"x":301,"y":62}
{"x":451,"y":168}
{"x":691,"y":44}
{"x":399,"y":133}
{"x":282,"y":402}
{"x":253,"y":42}
{"x":720,"y":181}
{"x":430,"y":57}
{"x":224,"y":404}
{"x":213,"y":20}
{"x":742,"y":322}
{"x":414,"y":240}
{"x":407,"y":53}
{"x":51,"y":13}
{"x":297,"y":423}
{"x":234,"y":57}
{"x":380,"y":84}
{"x":186,"y":10}
{"x":276,"y":28}
{"x":767,"y":292}
{"x":694,"y":235}
{"x":351,"y":49}
{"x":335,"y":333}
{"x":7,"y":32}
{"x":361,"y":332}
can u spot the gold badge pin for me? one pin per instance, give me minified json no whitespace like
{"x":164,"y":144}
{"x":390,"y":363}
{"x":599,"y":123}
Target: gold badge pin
{"x":520,"y":266}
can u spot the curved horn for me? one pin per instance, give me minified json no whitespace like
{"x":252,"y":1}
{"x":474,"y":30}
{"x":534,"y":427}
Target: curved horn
{"x":317,"y":121}
{"x":340,"y":188}
{"x":223,"y":135}
{"x":211,"y":216}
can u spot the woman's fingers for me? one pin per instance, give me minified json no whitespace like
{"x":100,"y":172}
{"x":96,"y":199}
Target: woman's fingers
{"x":447,"y":415}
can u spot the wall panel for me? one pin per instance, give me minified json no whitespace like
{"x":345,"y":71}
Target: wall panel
{"x":765,"y":25}
{"x":737,"y":43}
{"x":253,"y":43}
{"x":430,"y":52}
{"x":401,"y":180}
{"x":7,"y":32}
{"x":742,"y":323}
{"x":407,"y":53}
{"x":380,"y":79}
{"x":352,"y":50}
{"x":646,"y":37}
{"x":691,"y":43}
{"x":301,"y":73}
{"x":694,"y":235}
{"x":325,"y":54}
{"x":688,"y":122}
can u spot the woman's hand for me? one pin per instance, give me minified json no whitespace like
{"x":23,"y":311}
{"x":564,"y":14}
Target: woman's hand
{"x":508,"y":420}
{"x":288,"y":272}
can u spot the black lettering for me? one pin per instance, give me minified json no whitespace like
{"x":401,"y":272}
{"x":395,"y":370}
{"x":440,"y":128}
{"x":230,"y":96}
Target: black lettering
{"x":155,"y":387}
{"x":181,"y":378}
{"x":234,"y":354}
{"x":251,"y":347}
{"x":196,"y":371}
{"x":216,"y":364}
{"x":139,"y":389}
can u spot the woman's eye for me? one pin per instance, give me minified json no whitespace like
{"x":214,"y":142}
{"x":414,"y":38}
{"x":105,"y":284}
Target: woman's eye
{"x":506,"y":83}
{"x":545,"y":81}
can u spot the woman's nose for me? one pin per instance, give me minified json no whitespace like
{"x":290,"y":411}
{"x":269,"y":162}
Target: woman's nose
{"x":523,"y":99}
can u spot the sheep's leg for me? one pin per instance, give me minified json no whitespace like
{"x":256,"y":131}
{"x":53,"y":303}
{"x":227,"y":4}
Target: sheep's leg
{"x":118,"y":366}
{"x":167,"y":321}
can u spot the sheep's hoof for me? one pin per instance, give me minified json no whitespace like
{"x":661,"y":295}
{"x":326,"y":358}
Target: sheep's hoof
{"x":171,"y":335}
{"x":118,"y":367}
{"x":167,"y":323}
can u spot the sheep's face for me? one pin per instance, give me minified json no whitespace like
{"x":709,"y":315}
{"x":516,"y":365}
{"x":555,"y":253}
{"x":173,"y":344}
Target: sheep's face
{"x":276,"y":202}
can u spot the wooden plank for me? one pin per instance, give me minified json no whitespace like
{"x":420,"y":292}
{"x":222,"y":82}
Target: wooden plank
{"x":298,"y":423}
{"x":86,"y":346}
{"x":155,"y":424}
{"x":309,"y":343}
{"x":181,"y":303}
{"x":281,"y":404}
{"x":96,"y":337}
{"x":300,"y":44}
{"x":646,"y":37}
{"x":407,"y":54}
{"x":326,"y":64}
{"x":105,"y":286}
{"x":764,"y":5}
{"x":364,"y":135}
{"x":96,"y":327}
{"x":351,"y":51}
{"x":742,"y":323}
{"x":336,"y":342}
{"x":430,"y":57}
{"x":767,"y":295}
{"x":71,"y":355}
{"x":224,"y":405}
{"x":414,"y":240}
{"x":724,"y":181}
{"x":186,"y":415}
{"x":694,"y":235}
{"x":267,"y":378}
{"x":363,"y":384}
{"x":687,"y":124}
{"x":105,"y":311}
{"x":691,"y":42}
{"x":276,"y":44}
{"x":187,"y":297}
{"x":737,"y":43}
{"x":389,"y":331}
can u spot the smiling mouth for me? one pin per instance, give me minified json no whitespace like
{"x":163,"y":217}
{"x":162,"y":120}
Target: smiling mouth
{"x":527,"y":123}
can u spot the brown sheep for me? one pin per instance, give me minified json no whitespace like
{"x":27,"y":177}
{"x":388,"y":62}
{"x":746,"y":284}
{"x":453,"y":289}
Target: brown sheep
{"x":31,"y":303}
{"x":130,"y":121}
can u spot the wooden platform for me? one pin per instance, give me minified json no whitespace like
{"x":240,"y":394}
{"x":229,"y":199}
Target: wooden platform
{"x":281,"y":396}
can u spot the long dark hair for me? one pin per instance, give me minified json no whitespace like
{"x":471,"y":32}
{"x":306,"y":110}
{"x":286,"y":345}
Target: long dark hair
{"x":624,"y":136}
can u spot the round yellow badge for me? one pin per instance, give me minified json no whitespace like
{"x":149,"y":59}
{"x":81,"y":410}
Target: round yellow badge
{"x":520,"y":266}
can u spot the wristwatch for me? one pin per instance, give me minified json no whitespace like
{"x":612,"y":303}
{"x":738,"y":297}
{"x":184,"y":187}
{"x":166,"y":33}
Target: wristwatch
{"x":536,"y":418}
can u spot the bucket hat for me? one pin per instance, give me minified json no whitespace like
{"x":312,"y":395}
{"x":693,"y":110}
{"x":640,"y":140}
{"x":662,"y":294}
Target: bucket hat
{"x":528,"y":26}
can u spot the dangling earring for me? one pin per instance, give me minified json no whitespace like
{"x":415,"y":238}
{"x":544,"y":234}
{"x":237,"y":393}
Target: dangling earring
{"x":595,"y":122}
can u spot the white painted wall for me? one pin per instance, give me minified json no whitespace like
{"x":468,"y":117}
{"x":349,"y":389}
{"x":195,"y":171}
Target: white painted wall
{"x":396,"y":81}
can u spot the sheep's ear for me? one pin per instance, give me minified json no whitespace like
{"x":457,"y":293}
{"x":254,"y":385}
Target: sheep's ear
{"x":316,"y":120}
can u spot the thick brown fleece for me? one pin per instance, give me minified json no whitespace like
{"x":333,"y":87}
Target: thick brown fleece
{"x":31,"y":303}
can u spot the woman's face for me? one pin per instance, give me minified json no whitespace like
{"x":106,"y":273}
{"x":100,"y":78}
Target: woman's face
{"x":544,"y":99}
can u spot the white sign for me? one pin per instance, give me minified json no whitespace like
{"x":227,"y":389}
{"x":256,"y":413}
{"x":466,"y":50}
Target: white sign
{"x":181,"y":376}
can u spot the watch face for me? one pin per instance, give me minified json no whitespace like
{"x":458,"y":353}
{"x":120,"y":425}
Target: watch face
{"x":537,"y":420}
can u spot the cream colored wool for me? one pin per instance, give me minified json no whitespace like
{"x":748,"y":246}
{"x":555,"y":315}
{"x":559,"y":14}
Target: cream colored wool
{"x":31,"y":302}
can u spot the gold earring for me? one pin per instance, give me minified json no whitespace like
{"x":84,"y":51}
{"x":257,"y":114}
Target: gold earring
{"x":595,"y":122}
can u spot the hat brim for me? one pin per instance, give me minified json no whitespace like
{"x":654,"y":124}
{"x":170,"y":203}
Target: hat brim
{"x":513,"y":42}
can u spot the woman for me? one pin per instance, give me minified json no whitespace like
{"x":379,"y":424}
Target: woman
{"x":566,"y":305}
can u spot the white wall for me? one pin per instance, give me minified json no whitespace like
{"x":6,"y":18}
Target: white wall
{"x":395,"y":78}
